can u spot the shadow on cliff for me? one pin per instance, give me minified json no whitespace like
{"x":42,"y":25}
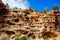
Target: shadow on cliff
{"x":3,"y":11}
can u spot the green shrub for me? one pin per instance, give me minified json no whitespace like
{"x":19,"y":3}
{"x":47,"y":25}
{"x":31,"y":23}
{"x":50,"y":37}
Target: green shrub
{"x":22,"y":38}
{"x":17,"y":38}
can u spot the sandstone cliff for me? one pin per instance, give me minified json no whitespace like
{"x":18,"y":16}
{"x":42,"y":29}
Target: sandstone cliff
{"x":28,"y":23}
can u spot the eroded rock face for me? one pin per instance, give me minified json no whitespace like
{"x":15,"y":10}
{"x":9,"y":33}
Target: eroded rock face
{"x":27,"y":23}
{"x":2,"y":5}
{"x":31,"y":24}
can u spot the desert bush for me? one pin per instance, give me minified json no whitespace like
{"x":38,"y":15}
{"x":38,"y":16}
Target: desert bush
{"x":18,"y":38}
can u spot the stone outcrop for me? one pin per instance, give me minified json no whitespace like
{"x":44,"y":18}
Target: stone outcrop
{"x":27,"y":23}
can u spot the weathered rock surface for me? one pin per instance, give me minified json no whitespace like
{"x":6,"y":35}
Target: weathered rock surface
{"x":28,"y":23}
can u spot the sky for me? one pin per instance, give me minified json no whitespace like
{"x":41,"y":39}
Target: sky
{"x":39,"y":5}
{"x":23,"y":4}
